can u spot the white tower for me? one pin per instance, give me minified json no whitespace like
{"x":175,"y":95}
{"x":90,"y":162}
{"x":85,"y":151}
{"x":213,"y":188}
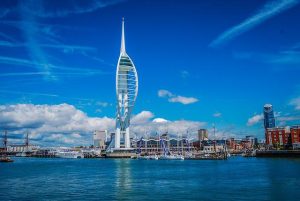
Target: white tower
{"x":126,"y":89}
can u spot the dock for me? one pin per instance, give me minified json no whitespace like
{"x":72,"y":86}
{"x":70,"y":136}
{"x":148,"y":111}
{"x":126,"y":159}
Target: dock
{"x":278,"y":153}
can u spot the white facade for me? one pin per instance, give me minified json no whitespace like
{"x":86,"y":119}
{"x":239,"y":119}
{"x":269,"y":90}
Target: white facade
{"x":99,"y":138}
{"x":22,"y":148}
{"x":213,"y":149}
{"x":126,"y":92}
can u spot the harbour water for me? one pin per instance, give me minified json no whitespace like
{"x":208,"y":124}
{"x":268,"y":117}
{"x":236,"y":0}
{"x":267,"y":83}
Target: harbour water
{"x":237,"y":178}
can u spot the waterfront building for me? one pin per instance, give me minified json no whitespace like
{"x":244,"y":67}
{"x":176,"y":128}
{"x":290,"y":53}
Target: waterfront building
{"x":283,"y":136}
{"x":234,"y":145}
{"x":213,"y":149}
{"x":269,"y":119}
{"x":246,"y":144}
{"x":295,"y":134}
{"x":252,"y":141}
{"x":26,"y":147}
{"x":18,"y":148}
{"x":157,"y":145}
{"x":202,"y":134}
{"x":100,"y":138}
{"x":126,"y":92}
{"x":278,"y":136}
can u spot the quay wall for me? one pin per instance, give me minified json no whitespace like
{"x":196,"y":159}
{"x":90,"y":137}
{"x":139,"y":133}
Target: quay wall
{"x":278,"y":153}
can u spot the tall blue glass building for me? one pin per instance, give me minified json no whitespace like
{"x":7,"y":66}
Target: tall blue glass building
{"x":269,"y":119}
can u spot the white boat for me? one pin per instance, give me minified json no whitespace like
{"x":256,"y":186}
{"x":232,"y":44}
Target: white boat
{"x":153,"y":157}
{"x":171,"y":157}
{"x":167,"y":155}
{"x":69,"y":154}
{"x":23,"y":154}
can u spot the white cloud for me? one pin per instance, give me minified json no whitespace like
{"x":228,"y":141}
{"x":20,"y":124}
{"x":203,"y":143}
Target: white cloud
{"x":269,"y":10}
{"x":164,"y":93}
{"x":46,"y":120}
{"x":51,"y":9}
{"x":283,"y":58}
{"x":160,"y":125}
{"x":255,"y":119}
{"x":288,"y":118}
{"x":159,"y":120}
{"x":296,"y":103}
{"x":98,"y":110}
{"x":102,"y":104}
{"x":217,"y":114}
{"x":184,"y":74}
{"x":144,"y":123}
{"x":142,"y":117}
{"x":176,"y":98}
{"x":64,"y":124}
{"x":183,"y":100}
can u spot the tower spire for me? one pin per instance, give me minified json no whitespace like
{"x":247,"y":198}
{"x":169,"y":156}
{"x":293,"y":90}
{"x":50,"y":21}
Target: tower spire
{"x":123,"y":50}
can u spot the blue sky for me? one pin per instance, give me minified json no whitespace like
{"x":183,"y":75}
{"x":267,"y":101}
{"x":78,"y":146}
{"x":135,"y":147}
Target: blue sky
{"x":214,"y":62}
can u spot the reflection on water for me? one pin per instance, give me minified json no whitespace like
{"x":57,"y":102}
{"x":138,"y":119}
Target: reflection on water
{"x":123,"y":177}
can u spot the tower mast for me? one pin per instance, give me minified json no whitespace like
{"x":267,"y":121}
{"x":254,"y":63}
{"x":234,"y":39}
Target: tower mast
{"x":123,"y":50}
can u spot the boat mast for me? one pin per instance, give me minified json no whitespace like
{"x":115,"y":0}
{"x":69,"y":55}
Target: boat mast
{"x":5,"y":143}
{"x":5,"y":140}
{"x":157,"y":142}
{"x":178,"y":143}
{"x":181,"y":144}
{"x":27,"y":141}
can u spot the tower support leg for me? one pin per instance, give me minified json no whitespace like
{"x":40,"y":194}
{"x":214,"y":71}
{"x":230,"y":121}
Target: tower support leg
{"x":127,"y":138}
{"x":117,"y":138}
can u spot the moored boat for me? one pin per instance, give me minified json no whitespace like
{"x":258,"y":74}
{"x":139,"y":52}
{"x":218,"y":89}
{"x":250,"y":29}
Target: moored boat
{"x":69,"y":154}
{"x":171,"y":157}
{"x":6,"y":160}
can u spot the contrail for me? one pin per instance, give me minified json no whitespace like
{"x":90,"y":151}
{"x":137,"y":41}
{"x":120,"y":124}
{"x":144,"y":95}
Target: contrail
{"x":269,"y":10}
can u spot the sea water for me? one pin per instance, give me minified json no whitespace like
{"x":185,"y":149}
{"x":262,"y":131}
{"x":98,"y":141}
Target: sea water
{"x":237,"y":178}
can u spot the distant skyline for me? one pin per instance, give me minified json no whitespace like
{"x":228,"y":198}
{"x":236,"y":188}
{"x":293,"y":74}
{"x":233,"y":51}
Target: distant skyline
{"x":200,"y":64}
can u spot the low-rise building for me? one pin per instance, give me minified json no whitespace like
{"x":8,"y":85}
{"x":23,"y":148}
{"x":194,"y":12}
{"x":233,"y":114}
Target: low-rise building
{"x":22,"y":148}
{"x":295,"y":134}
{"x":277,"y":136}
{"x":100,"y":138}
{"x":202,"y":134}
{"x":213,"y":148}
{"x":283,"y":136}
{"x":296,"y":145}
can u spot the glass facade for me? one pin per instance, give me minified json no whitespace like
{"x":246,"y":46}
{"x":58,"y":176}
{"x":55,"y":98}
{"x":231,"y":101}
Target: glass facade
{"x":269,"y":119}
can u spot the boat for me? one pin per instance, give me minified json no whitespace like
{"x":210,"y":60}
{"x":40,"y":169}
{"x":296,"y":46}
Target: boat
{"x":167,"y":155}
{"x":249,"y":153}
{"x":151,"y":157}
{"x":23,"y":154}
{"x":171,"y":157}
{"x":69,"y":154}
{"x":4,"y":158}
